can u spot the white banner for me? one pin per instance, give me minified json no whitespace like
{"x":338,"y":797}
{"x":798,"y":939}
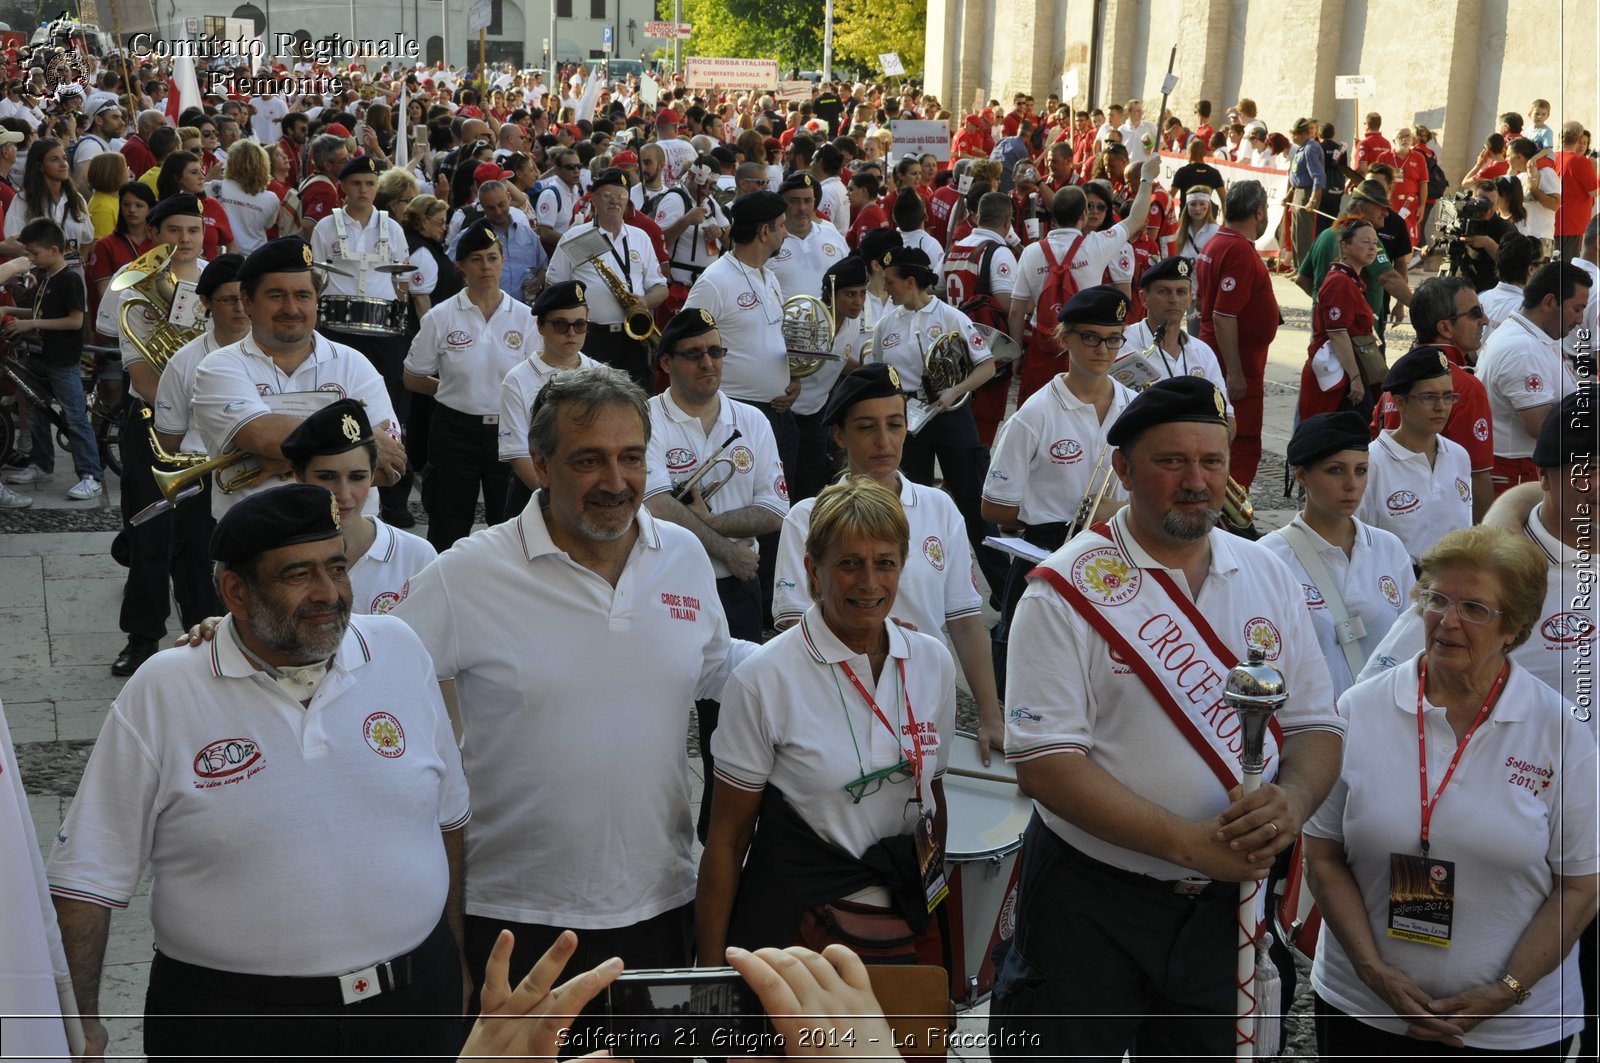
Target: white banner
{"x":649,"y":89}
{"x":708,"y":72}
{"x":1354,"y":86}
{"x":795,"y":90}
{"x":667,"y":30}
{"x":1276,"y":182}
{"x":890,"y":61}
{"x":921,"y":138}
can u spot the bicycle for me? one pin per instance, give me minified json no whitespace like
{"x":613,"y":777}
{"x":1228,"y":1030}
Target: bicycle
{"x":105,"y":419}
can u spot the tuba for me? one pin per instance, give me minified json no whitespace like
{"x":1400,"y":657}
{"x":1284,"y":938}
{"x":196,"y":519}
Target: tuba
{"x":808,"y":328}
{"x":944,"y":365}
{"x":152,"y":286}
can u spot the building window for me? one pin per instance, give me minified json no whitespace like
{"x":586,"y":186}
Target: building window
{"x":563,"y":8}
{"x":494,"y":18}
{"x":253,"y":14}
{"x":597,"y":10}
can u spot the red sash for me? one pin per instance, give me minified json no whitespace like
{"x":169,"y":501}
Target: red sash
{"x":1098,"y":614}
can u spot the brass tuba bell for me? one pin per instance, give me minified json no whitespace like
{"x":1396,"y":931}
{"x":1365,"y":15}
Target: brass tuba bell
{"x":153,"y":286}
{"x":808,"y":328}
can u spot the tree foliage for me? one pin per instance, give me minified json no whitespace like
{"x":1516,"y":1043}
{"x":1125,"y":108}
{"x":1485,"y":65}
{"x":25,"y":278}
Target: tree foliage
{"x":789,"y":31}
{"x":865,"y":29}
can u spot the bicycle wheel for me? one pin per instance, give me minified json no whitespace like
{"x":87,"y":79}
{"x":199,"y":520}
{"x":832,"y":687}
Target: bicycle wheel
{"x":107,"y":424}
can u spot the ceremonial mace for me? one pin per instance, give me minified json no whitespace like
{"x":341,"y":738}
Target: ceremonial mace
{"x":1255,"y":690}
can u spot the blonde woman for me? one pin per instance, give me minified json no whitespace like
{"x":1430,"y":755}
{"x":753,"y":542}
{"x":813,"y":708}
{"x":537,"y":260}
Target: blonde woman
{"x":251,"y":207}
{"x":108,"y":172}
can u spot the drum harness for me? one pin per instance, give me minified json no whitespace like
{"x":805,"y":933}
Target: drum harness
{"x":366,"y":258}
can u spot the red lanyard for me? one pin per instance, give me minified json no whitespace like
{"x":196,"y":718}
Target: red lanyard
{"x":914,"y":754}
{"x":1422,"y":744}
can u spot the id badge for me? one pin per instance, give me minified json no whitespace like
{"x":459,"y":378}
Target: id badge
{"x":184,"y":303}
{"x":930,"y":859}
{"x":1422,"y":899}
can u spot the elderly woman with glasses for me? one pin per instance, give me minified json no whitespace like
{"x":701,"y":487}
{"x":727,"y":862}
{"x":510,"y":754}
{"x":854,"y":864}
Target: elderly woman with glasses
{"x":1454,"y":902}
{"x":830,"y":751}
{"x":1419,"y":481}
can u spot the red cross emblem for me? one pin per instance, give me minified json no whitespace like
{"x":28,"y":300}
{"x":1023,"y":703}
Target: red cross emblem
{"x":361,"y":985}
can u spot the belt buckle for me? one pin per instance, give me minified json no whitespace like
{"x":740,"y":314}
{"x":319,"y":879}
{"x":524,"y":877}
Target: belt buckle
{"x":1190,"y":887}
{"x":491,"y":418}
{"x":614,"y":328}
{"x":360,"y":985}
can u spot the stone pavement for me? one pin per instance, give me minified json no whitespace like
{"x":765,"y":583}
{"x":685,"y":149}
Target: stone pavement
{"x":59,"y":598}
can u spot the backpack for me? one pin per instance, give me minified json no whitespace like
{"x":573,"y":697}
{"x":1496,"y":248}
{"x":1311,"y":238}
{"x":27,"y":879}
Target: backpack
{"x":966,"y":267}
{"x":1438,"y":183}
{"x":652,"y":203}
{"x":1059,"y":287}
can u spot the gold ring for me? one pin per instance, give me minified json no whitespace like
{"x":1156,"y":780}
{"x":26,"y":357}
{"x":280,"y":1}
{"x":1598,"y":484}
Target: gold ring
{"x":1274,"y":827}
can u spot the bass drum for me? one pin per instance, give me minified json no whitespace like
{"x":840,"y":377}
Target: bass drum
{"x":1296,"y":919}
{"x":366,"y":317}
{"x":983,"y":850}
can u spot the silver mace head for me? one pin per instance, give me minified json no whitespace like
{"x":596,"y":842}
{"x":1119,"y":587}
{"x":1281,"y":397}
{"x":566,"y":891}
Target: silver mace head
{"x":1255,"y":689}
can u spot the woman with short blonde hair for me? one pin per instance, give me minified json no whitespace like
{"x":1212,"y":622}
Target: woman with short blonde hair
{"x":251,"y":208}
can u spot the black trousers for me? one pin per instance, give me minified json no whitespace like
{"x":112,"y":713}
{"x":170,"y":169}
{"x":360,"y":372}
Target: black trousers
{"x":1588,"y":968}
{"x":388,"y":356}
{"x":665,"y":940}
{"x":1343,"y":1036}
{"x":1048,"y":536}
{"x":1106,"y":962}
{"x":786,"y":432}
{"x":952,"y":440}
{"x":741,"y":603}
{"x":198,"y":1013}
{"x":463,"y":463}
{"x":619,"y":352}
{"x":173,"y":546}
{"x":814,"y":463}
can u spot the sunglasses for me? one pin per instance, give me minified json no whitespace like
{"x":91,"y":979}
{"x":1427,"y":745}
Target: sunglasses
{"x":571,"y":169}
{"x":716,"y":354}
{"x":564,"y":328}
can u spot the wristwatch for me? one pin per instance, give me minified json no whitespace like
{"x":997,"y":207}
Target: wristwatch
{"x":1522,"y":992}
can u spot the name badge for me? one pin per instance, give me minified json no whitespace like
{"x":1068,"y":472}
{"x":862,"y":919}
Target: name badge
{"x":930,"y":858}
{"x":184,"y":304}
{"x":1422,"y":899}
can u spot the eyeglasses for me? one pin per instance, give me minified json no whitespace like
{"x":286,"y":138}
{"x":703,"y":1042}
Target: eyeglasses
{"x":1475,"y":312}
{"x":1470,"y":612}
{"x":1094,"y":341}
{"x":1096,"y":208}
{"x":567,"y":327}
{"x":208,"y":132}
{"x":714,"y":353}
{"x":574,"y":167}
{"x":872,"y":782}
{"x":1435,"y":398}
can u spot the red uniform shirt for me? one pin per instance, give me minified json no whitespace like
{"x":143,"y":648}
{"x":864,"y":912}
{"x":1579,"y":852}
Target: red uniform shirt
{"x":138,"y":154}
{"x":941,"y":205}
{"x":1231,"y":280}
{"x":1469,"y":425}
{"x":1341,"y":305}
{"x":110,"y":253}
{"x":865,"y":220}
{"x":1578,"y":180}
{"x":1369,"y":148}
{"x":318,"y":198}
{"x":969,"y":144}
{"x":1494,"y":169}
{"x":292,"y":150}
{"x":219,"y":231}
{"x":1205,"y":133}
{"x":962,"y":231}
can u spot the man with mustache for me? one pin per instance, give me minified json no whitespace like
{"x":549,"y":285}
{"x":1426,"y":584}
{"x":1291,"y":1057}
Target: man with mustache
{"x":577,"y":636}
{"x":1119,"y":654}
{"x":251,"y":394}
{"x":306,"y":757}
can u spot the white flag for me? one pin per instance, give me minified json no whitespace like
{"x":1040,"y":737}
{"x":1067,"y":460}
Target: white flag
{"x":188,"y":83}
{"x":402,"y":142}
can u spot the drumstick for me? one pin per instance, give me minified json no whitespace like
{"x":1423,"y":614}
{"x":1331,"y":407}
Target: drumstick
{"x":1302,"y":206}
{"x":986,"y":776}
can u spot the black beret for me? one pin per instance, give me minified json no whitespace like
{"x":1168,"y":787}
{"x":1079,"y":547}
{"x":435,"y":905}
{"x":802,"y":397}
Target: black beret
{"x":757,"y":207}
{"x":1419,"y":363}
{"x":685,"y":325}
{"x":874,"y":242}
{"x":611,"y":175}
{"x":180,"y":205}
{"x":1327,"y":433}
{"x":848,"y":272}
{"x":219,"y":271}
{"x":912,"y":258}
{"x":1568,"y":432}
{"x":479,"y":236}
{"x":278,"y":516}
{"x":287,"y":254}
{"x":1102,"y":304}
{"x":799,"y":181}
{"x":1179,"y":398}
{"x":875,"y":380}
{"x":562,"y":295}
{"x":333,"y":429}
{"x":1176,"y":268}
{"x":359,"y":165}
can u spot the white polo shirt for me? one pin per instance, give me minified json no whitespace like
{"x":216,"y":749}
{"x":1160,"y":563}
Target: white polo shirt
{"x":552,"y":745}
{"x":470,"y":354}
{"x":1374,"y":582}
{"x":920,"y":239}
{"x":1521,"y":367}
{"x":903,"y":336}
{"x":381,"y":579}
{"x":364,"y":246}
{"x":833,"y":206}
{"x":748,"y":307}
{"x":108,"y":318}
{"x":1500,"y":302}
{"x":679,"y":442}
{"x":780,"y":724}
{"x":802,"y":260}
{"x":1098,"y":252}
{"x":632,"y":258}
{"x":1046,"y":452}
{"x":936,"y":584}
{"x":1417,"y":502}
{"x":245,"y":804}
{"x":853,"y":334}
{"x":680,"y":156}
{"x":231,"y":386}
{"x":517,"y":392}
{"x":1519,"y":809}
{"x":689,"y":253}
{"x":1194,"y":358}
{"x":175,"y":386}
{"x":554,"y":204}
{"x":1002,"y":271}
{"x":1561,"y":650}
{"x":1065,"y":694}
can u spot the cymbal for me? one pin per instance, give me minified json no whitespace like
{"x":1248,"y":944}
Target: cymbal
{"x":396,"y":268}
{"x":331,"y":268}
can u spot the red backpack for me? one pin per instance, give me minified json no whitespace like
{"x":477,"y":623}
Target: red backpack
{"x":966,"y":284}
{"x":1043,"y":360}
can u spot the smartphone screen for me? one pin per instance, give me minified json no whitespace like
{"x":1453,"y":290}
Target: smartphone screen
{"x":702,"y":1012}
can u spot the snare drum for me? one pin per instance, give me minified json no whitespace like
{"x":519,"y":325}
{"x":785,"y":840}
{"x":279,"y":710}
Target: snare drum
{"x":370,"y":317}
{"x":982,"y":849}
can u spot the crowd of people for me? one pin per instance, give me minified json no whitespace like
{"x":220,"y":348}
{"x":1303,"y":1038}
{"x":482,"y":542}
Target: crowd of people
{"x":742,"y":395}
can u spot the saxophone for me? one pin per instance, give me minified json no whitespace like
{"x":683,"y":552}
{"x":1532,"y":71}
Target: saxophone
{"x":638,"y":321}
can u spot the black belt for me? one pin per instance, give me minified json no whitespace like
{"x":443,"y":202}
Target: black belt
{"x":389,"y":976}
{"x":696,"y":270}
{"x":1184,"y":887}
{"x":476,"y":420}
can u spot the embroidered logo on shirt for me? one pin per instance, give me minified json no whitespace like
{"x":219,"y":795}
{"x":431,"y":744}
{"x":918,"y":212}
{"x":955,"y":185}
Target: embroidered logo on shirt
{"x":891,"y":340}
{"x":1106,"y":575}
{"x":1567,"y":628}
{"x":1463,"y":489}
{"x":1228,"y":284}
{"x":1066,"y":451}
{"x":743,"y":459}
{"x":933,"y":550}
{"x":828,"y":249}
{"x":1530,"y":776}
{"x":746,"y":300}
{"x":1334,"y":313}
{"x":680,"y":458}
{"x":224,"y":759}
{"x":1480,"y":429}
{"x":1535,"y":382}
{"x":1263,"y":634}
{"x":513,"y":340}
{"x":1402,"y":502}
{"x":782,"y":487}
{"x":1119,"y":663}
{"x":1390,"y":589}
{"x":1314,"y":598}
{"x":681,"y":606}
{"x":459,"y":338}
{"x":384,"y":735}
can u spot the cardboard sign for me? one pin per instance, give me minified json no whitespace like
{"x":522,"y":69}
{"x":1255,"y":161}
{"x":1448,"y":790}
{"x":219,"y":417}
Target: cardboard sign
{"x":890,"y":61}
{"x":920,"y":138}
{"x":1354,"y":86}
{"x":708,"y":72}
{"x":1069,"y":86}
{"x":794,"y":90}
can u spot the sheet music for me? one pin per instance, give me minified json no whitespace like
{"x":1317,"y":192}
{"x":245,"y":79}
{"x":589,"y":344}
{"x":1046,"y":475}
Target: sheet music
{"x":1018,"y":548}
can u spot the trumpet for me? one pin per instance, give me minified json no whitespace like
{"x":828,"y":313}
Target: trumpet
{"x":178,"y":484}
{"x":685,"y":490}
{"x":808,"y":328}
{"x":182,"y":459}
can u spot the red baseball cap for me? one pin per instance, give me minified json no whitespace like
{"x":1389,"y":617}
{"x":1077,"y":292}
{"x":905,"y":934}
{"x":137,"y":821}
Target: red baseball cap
{"x":490,"y":171}
{"x":624,"y":158}
{"x":667,"y":116}
{"x":337,"y":130}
